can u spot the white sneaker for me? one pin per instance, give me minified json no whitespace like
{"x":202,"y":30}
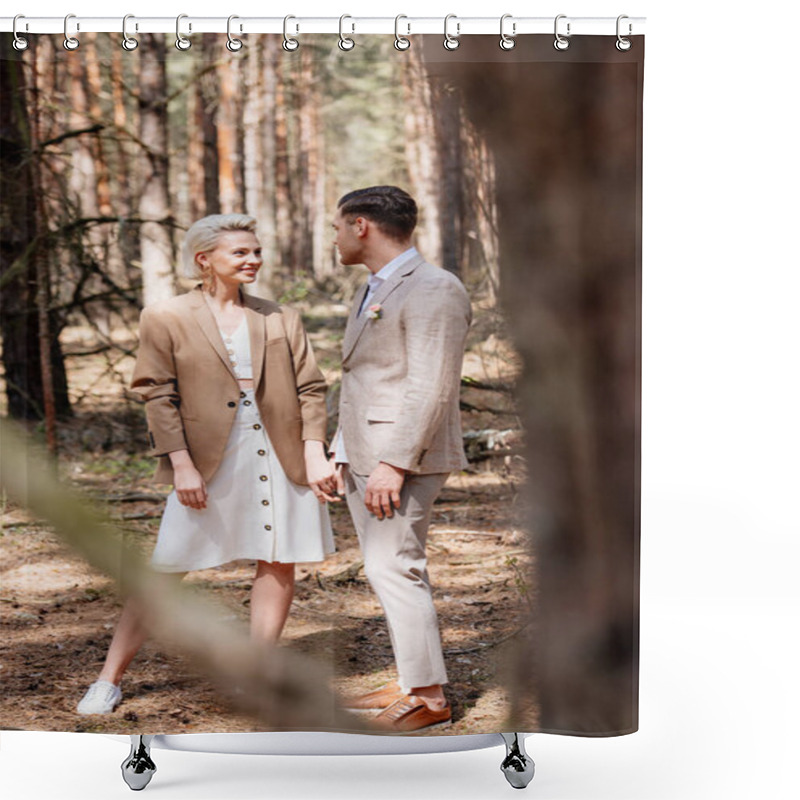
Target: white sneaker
{"x":101,"y":697}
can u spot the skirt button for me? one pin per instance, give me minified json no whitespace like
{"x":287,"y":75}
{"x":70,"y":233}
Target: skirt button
{"x":256,"y":427}
{"x":262,"y":452}
{"x":268,"y":527}
{"x":262,"y":477}
{"x":265,"y":502}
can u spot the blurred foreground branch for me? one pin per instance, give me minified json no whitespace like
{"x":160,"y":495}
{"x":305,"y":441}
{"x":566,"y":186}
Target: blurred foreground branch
{"x":281,"y":689}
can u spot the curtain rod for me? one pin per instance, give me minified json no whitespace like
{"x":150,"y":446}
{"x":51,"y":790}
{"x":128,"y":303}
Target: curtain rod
{"x":405,"y":25}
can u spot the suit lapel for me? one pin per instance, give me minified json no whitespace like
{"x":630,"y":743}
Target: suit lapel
{"x":357,"y":324}
{"x":354,"y":323}
{"x":256,"y":325}
{"x":208,"y":325}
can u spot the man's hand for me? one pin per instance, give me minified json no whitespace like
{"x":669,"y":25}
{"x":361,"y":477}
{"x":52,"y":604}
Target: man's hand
{"x":382,"y":494}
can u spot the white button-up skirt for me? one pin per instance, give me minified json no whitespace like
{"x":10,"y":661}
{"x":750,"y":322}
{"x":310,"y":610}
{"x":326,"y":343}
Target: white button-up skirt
{"x":253,"y":510}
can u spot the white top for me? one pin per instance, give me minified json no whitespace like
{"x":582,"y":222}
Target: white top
{"x":238,"y":348}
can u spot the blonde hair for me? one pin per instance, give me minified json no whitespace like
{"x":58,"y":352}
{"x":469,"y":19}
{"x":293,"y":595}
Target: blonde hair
{"x":205,"y":233}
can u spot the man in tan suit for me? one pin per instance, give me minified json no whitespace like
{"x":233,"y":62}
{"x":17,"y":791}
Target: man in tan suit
{"x":399,"y":433}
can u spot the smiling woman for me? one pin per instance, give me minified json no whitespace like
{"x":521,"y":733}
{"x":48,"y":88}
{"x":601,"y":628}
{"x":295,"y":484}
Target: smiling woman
{"x":248,"y":466}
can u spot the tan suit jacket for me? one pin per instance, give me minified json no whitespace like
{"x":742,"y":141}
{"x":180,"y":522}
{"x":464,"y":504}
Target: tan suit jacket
{"x":401,"y":373}
{"x":191,"y":393}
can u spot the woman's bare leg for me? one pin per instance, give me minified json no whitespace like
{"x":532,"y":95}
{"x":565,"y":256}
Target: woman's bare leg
{"x":129,"y":636}
{"x":270,"y":600}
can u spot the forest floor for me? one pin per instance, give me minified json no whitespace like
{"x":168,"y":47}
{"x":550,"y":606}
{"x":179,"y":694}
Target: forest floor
{"x":57,"y":614}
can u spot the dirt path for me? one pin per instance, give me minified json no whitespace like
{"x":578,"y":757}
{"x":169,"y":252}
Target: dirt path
{"x":57,"y":615}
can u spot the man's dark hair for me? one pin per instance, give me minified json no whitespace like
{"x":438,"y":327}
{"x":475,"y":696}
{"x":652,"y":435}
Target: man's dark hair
{"x":390,"y":208}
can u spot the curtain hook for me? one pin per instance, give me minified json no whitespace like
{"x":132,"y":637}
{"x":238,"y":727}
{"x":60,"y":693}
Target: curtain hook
{"x":451,"y":42}
{"x":561,"y":42}
{"x":181,"y":42}
{"x":290,"y":43}
{"x":507,"y":41}
{"x":128,"y":42}
{"x":400,"y":42}
{"x":622,"y":43}
{"x":345,"y":42}
{"x":70,"y":42}
{"x":234,"y":45}
{"x":20,"y":43}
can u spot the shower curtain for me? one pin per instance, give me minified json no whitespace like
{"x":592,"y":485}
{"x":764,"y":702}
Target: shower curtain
{"x":525,"y":165}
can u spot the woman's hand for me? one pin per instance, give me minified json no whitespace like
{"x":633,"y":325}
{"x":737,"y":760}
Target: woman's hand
{"x":321,"y":473}
{"x":188,"y":482}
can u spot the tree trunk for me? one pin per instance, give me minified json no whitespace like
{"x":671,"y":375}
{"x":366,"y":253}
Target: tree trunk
{"x":566,"y":138}
{"x":227,"y":135}
{"x":19,"y":322}
{"x":258,"y":147}
{"x":123,"y":190}
{"x":154,"y":204}
{"x":448,"y":127}
{"x":421,"y":155}
{"x":283,"y":205}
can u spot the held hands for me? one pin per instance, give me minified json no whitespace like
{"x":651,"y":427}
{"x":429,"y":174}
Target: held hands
{"x":323,"y":477}
{"x":188,"y":482}
{"x":382,"y":494}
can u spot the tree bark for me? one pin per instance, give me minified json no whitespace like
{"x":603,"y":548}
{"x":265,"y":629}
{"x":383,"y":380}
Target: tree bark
{"x":154,"y":204}
{"x":566,"y":137}
{"x":20,"y":239}
{"x":421,"y":154}
{"x":283,"y":203}
{"x":258,"y":149}
{"x":227,"y":135}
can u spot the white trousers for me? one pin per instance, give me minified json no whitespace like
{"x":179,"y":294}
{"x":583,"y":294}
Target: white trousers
{"x":396,"y":566}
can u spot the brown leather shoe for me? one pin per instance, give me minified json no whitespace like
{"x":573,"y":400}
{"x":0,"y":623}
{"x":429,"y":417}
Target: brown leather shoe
{"x":410,"y":713}
{"x":377,"y":699}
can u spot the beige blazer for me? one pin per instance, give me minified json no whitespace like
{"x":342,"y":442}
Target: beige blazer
{"x":401,"y":373}
{"x":191,"y":393}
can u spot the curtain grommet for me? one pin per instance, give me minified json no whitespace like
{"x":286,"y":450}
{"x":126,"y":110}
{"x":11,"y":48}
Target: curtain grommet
{"x":451,"y":41}
{"x":561,"y":42}
{"x":401,"y":43}
{"x":290,"y":43}
{"x":623,"y":44}
{"x":20,"y":43}
{"x":507,"y":41}
{"x":181,"y":42}
{"x":70,"y":42}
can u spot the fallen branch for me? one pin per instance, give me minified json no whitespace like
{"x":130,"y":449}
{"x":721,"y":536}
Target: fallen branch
{"x":134,"y":497}
{"x":281,"y":688}
{"x":498,"y":386}
{"x":486,"y":645}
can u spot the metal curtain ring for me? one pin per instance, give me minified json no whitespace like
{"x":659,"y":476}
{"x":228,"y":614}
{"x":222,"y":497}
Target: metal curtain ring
{"x":20,"y":43}
{"x":623,"y":44}
{"x":70,"y":42}
{"x":234,"y":45}
{"x":561,"y":42}
{"x":400,"y":42}
{"x":345,"y":42}
{"x":290,"y":43}
{"x":507,"y":41}
{"x":451,"y":42}
{"x":181,"y":42}
{"x":128,"y":42}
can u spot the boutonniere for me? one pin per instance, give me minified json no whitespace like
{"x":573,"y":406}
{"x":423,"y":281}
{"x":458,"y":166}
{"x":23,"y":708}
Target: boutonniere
{"x":375,"y":311}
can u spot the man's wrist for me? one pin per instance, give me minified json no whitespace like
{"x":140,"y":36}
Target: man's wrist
{"x":399,"y":470}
